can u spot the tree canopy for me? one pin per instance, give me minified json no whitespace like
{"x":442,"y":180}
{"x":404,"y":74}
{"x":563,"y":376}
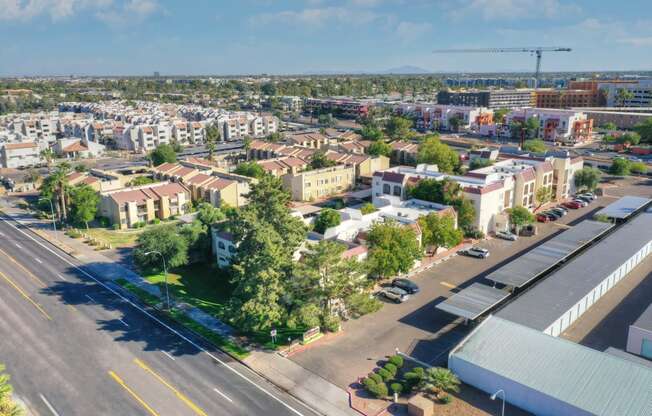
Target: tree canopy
{"x":398,"y":127}
{"x":534,"y":146}
{"x":84,"y":201}
{"x":432,"y":151}
{"x":520,"y":216}
{"x":251,"y":169}
{"x":372,"y":133}
{"x":587,"y":178}
{"x":164,"y":239}
{"x":326,"y":219}
{"x":439,"y":231}
{"x":380,"y":148}
{"x":393,"y":249}
{"x":644,"y":129}
{"x":208,"y":214}
{"x":164,"y":153}
{"x":319,"y":160}
{"x":620,"y":167}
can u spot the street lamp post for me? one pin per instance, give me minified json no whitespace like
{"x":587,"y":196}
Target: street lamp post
{"x":165,"y":275}
{"x":495,"y":395}
{"x":54,"y":221}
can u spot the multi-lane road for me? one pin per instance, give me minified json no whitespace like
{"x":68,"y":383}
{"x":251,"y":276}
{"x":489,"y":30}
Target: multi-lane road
{"x":75,"y":346}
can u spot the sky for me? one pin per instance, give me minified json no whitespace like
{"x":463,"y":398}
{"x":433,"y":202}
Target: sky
{"x":198,"y":37}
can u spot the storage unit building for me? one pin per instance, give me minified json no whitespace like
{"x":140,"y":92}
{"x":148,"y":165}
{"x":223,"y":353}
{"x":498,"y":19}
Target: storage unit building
{"x":639,"y":337}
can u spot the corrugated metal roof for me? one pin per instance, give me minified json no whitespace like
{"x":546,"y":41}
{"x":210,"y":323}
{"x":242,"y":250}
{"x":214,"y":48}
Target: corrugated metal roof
{"x":596,"y":382}
{"x":543,"y":304}
{"x":472,"y":301}
{"x":624,"y":207}
{"x":645,"y":320}
{"x":536,"y":261}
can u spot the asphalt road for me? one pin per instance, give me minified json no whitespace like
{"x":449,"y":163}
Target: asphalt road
{"x":75,"y":347}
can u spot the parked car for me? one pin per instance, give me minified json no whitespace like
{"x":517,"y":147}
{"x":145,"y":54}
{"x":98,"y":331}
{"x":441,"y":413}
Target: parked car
{"x":572,"y":205}
{"x":559,"y":211}
{"x":396,"y":294}
{"x":477,"y":252}
{"x":506,"y":235}
{"x":408,"y":285}
{"x":582,"y":202}
{"x":590,"y":195}
{"x":584,"y":198}
{"x":543,"y":218}
{"x":554,"y":216}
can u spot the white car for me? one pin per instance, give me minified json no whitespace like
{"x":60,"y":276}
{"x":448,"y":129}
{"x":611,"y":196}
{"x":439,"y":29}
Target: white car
{"x":477,"y":252}
{"x":396,"y":294}
{"x":506,"y":235}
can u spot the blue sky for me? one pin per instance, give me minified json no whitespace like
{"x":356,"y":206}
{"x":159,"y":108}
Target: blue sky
{"x":123,"y":37}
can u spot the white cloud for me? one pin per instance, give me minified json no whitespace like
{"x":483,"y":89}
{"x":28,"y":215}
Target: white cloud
{"x":637,"y":41}
{"x":55,"y":9}
{"x":410,"y":31}
{"x":314,"y":17}
{"x":512,"y":9}
{"x":131,"y":11}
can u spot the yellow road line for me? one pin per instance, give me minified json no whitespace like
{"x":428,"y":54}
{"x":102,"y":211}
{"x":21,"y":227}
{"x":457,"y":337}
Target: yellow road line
{"x":32,"y":275}
{"x":26,"y":296}
{"x":133,"y":394}
{"x":448,"y":285}
{"x":180,"y":395}
{"x":73,"y":308}
{"x":558,"y":224}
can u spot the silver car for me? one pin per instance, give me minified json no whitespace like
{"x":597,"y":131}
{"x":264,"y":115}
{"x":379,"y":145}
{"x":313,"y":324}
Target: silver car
{"x":396,"y":294}
{"x":506,"y":235}
{"x":477,"y":252}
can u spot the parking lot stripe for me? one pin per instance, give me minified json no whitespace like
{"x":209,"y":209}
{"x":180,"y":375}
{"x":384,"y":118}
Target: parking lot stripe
{"x":448,"y":285}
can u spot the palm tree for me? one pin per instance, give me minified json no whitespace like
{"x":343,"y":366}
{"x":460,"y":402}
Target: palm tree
{"x":623,"y":95}
{"x":48,"y":155}
{"x":57,"y":183}
{"x":212,"y":137}
{"x":438,"y":380}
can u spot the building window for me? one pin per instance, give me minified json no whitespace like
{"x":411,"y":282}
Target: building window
{"x":397,"y":191}
{"x":221,"y":245}
{"x":386,"y":189}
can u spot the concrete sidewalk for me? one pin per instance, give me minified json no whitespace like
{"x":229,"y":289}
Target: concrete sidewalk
{"x":321,"y":395}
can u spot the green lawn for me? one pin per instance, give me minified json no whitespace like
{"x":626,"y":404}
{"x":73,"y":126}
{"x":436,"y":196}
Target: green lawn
{"x":199,"y":284}
{"x":117,"y":238}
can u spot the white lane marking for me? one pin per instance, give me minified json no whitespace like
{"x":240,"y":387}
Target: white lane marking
{"x":155,"y":319}
{"x":62,"y":278}
{"x":47,"y":403}
{"x":123,"y":323}
{"x":168,"y":355}
{"x":37,"y":259}
{"x":222,"y":394}
{"x":18,"y":245}
{"x":90,"y":298}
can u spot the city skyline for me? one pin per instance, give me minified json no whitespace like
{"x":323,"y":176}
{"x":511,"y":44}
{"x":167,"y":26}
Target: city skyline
{"x":139,"y":37}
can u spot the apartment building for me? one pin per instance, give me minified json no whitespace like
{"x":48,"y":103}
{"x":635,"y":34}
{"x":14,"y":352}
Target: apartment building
{"x":564,"y":126}
{"x":364,"y":165}
{"x":312,"y":140}
{"x":283,"y":165}
{"x":320,"y":183}
{"x":492,"y":99}
{"x":143,"y":204}
{"x":72,"y":148}
{"x":20,"y":155}
{"x":344,"y":107}
{"x":404,"y":153}
{"x":639,"y":93}
{"x":568,"y":98}
{"x":622,"y":117}
{"x":439,"y":116}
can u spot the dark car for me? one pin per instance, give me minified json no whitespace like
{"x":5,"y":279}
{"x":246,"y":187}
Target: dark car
{"x":543,"y":218}
{"x":554,"y":216}
{"x":408,"y":285}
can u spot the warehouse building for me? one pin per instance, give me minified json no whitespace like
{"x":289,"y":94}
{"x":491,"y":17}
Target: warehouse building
{"x":555,"y":302}
{"x":550,"y":376}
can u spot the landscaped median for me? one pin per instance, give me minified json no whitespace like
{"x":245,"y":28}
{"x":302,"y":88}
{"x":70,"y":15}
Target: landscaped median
{"x":181,"y":317}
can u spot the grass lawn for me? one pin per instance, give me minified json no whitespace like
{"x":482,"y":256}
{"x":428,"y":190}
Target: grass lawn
{"x":199,"y":284}
{"x":121,"y":238}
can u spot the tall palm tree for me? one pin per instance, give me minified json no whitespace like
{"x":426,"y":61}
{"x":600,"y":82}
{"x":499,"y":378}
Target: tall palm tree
{"x":438,"y":380}
{"x":58,"y":182}
{"x":48,"y":155}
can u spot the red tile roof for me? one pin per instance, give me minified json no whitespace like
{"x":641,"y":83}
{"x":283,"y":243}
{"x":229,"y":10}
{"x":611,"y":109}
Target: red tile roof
{"x":75,"y":147}
{"x":14,"y":146}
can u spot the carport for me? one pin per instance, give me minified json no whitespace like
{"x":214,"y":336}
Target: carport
{"x":473,"y":301}
{"x":624,"y":207}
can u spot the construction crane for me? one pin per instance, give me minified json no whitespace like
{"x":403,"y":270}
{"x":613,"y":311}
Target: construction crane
{"x":537,"y":51}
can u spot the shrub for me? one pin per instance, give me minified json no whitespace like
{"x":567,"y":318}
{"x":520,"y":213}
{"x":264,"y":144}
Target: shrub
{"x":445,"y":399}
{"x":367,"y":208}
{"x":73,"y":234}
{"x":156,"y":221}
{"x":474,"y":233}
{"x":396,"y":388}
{"x":331,"y":323}
{"x":359,"y":304}
{"x":379,"y":390}
{"x":116,"y":226}
{"x":638,"y":167}
{"x":397,"y":360}
{"x":386,"y":375}
{"x":104,"y":222}
{"x":369,"y":384}
{"x":391,"y":368}
{"x":413,"y":378}
{"x":375,"y":377}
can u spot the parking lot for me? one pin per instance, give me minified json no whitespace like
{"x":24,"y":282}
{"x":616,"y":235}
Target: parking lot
{"x":416,"y":327}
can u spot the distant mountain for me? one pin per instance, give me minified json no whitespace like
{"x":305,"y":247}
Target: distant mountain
{"x":406,"y":69}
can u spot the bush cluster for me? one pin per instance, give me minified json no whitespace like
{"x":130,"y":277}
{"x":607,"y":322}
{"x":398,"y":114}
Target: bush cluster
{"x":376,"y":382}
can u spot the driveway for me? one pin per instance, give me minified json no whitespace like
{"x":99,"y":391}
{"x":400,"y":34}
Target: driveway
{"x":416,"y":327}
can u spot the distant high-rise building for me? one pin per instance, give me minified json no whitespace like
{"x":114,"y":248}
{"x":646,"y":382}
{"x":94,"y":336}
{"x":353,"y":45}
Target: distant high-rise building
{"x":493,"y":99}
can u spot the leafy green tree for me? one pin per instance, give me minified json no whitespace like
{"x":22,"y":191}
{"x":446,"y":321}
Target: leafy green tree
{"x":393,"y":249}
{"x":164,"y":239}
{"x":208,"y":214}
{"x":543,"y":195}
{"x":380,"y":148}
{"x":367,"y":208}
{"x":8,"y":407}
{"x":274,"y":137}
{"x":55,"y":188}
{"x":499,"y":115}
{"x":622,"y":95}
{"x":433,"y":151}
{"x":478,"y":163}
{"x":520,"y":216}
{"x":529,"y":128}
{"x":81,"y":168}
{"x":326,"y":219}
{"x":251,"y":169}
{"x":620,"y":167}
{"x":629,"y":139}
{"x":32,"y":176}
{"x":164,"y":153}
{"x":141,"y":180}
{"x":267,"y":236}
{"x":644,"y":129}
{"x":437,"y":380}
{"x":587,"y":178}
{"x":608,"y":139}
{"x":439,"y":231}
{"x":198,"y":239}
{"x":534,"y":146}
{"x":465,"y":214}
{"x":638,"y":168}
{"x":444,"y":191}
{"x":327,"y":120}
{"x":84,"y":201}
{"x":609,"y":126}
{"x":212,"y":137}
{"x":319,"y":160}
{"x":372,"y":133}
{"x":268,"y":89}
{"x":49,"y":156}
{"x":398,"y":128}
{"x":454,"y":123}
{"x":324,"y":278}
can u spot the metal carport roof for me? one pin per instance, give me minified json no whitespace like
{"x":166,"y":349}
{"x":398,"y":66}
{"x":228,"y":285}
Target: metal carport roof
{"x":624,"y":207}
{"x":536,"y":261}
{"x":473,"y":301}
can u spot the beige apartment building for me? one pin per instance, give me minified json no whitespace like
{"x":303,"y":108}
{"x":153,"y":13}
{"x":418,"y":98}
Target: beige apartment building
{"x":144,"y":203}
{"x":320,"y":183}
